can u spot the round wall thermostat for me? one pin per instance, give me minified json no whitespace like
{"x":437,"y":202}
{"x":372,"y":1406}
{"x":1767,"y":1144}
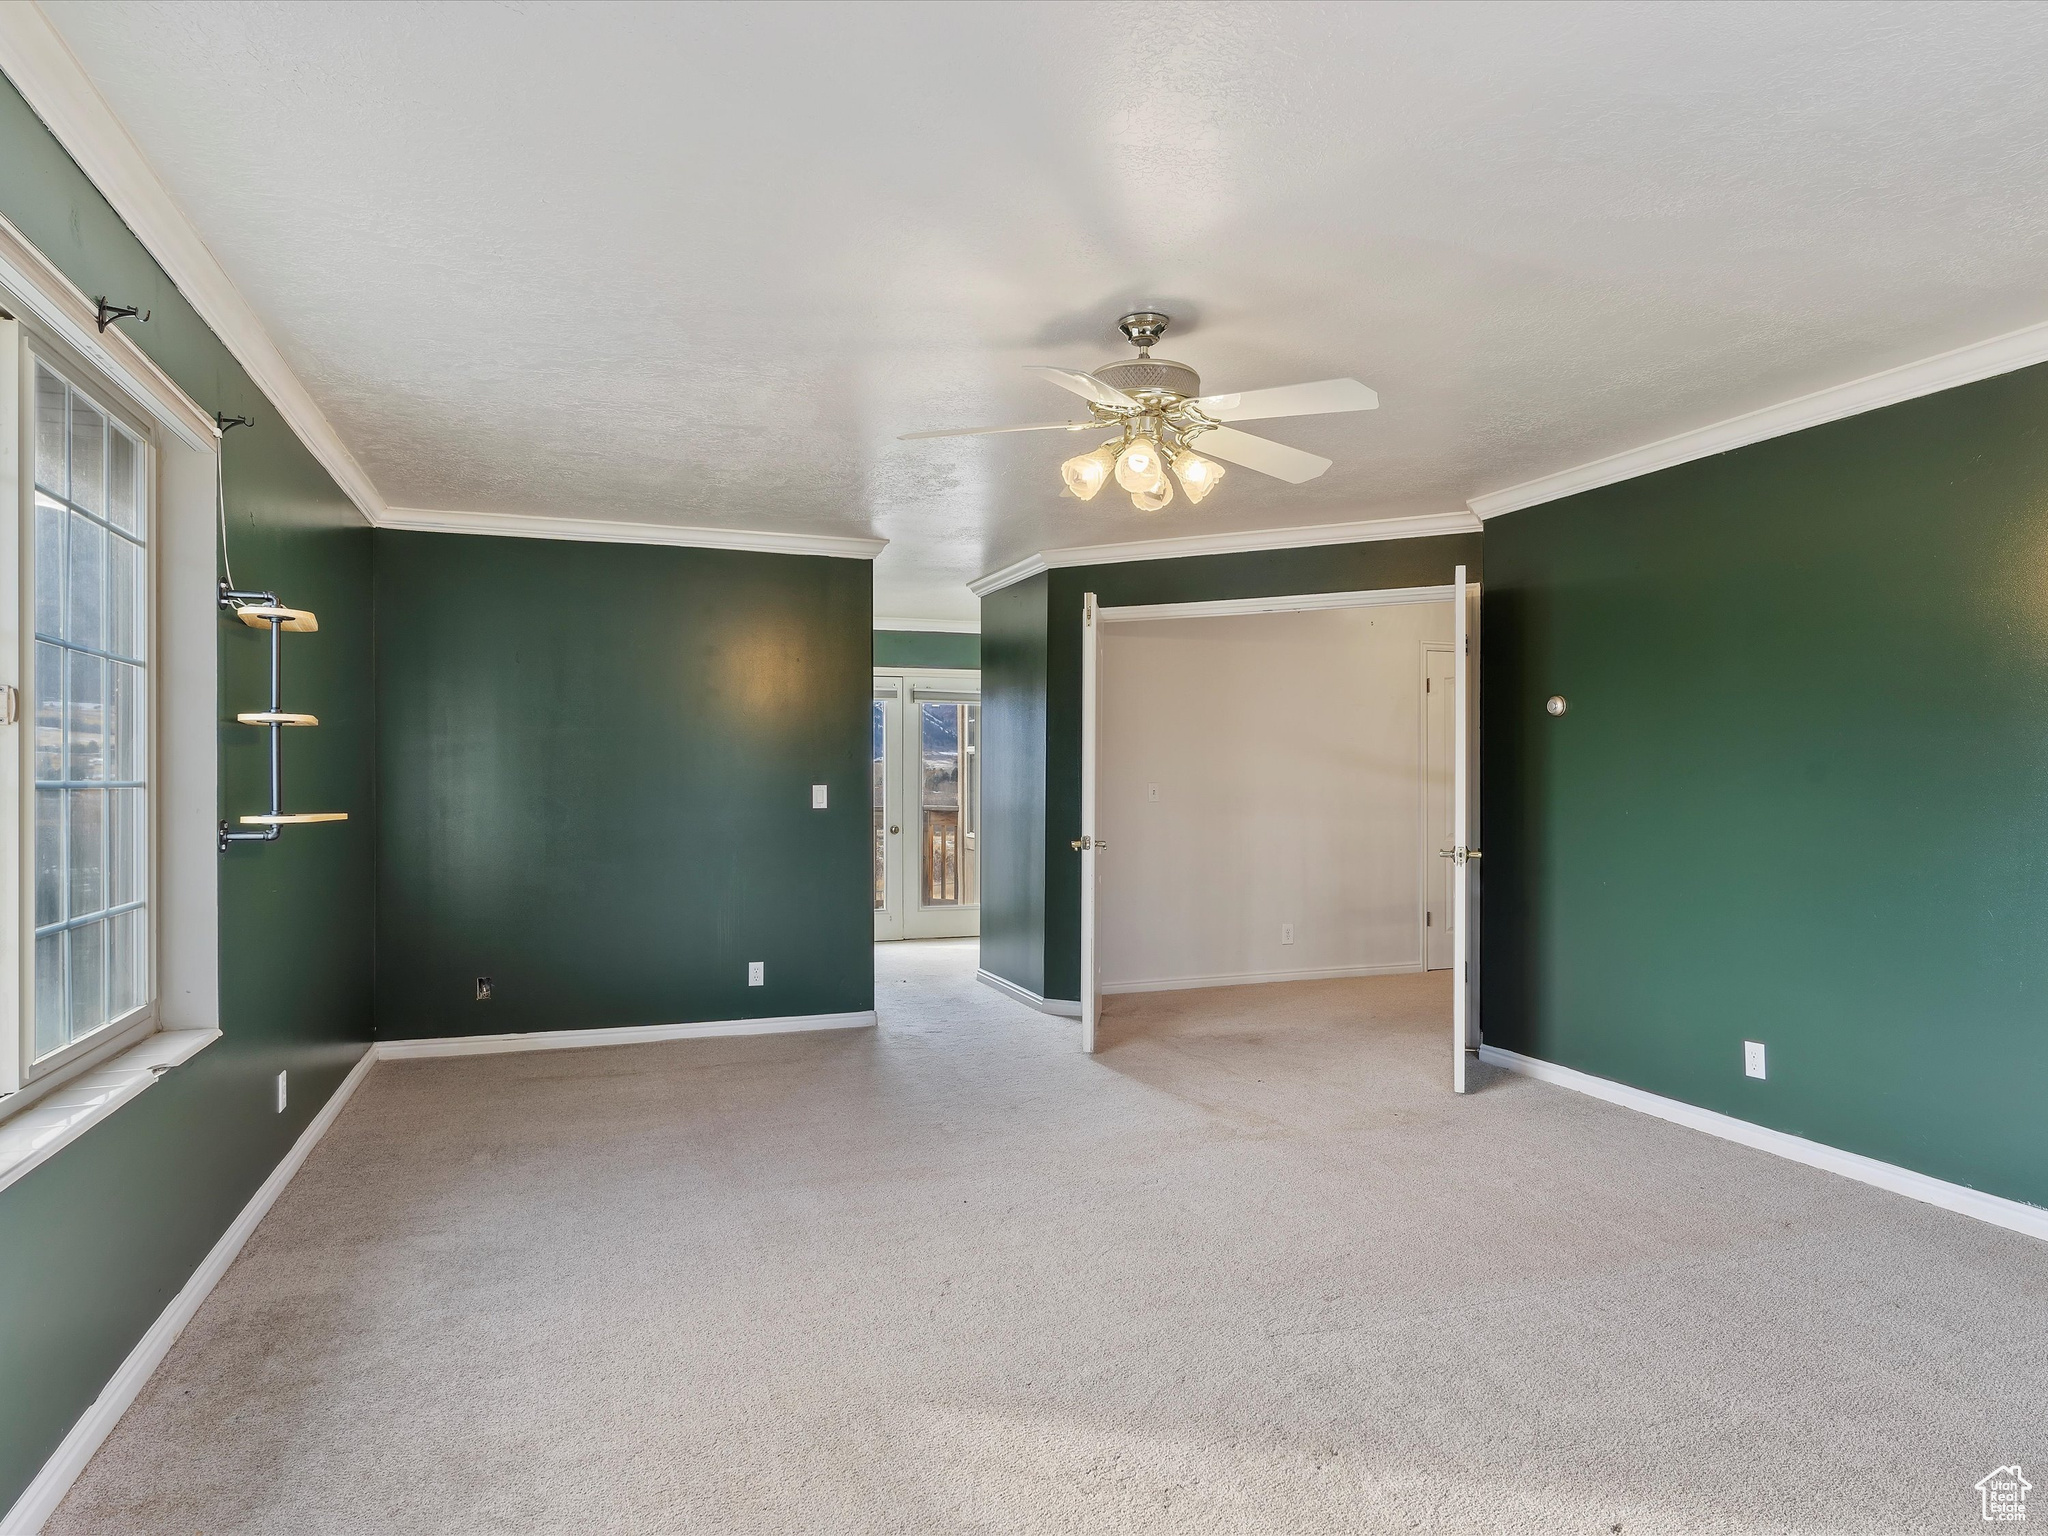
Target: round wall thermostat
{"x":1555,"y":704}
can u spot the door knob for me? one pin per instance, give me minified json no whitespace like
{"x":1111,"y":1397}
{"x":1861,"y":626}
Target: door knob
{"x":894,"y":830}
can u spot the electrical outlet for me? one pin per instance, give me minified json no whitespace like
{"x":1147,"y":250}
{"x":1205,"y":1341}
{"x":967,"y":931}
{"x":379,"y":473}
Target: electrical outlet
{"x":1287,"y":933}
{"x":817,"y":797}
{"x":1152,"y":793}
{"x":1753,"y":1058}
{"x":280,"y":1093}
{"x":483,"y":989}
{"x":757,"y":973}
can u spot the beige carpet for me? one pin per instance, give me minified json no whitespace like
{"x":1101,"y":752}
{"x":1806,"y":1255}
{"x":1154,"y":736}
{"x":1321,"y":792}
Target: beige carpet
{"x":1253,"y":1269}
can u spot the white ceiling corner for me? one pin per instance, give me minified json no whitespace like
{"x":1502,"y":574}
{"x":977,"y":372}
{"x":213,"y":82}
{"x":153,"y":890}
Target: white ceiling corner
{"x":1963,"y":365}
{"x":35,"y":56}
{"x":551,"y":262}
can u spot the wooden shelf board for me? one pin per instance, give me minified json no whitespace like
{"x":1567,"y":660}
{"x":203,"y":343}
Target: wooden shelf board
{"x":295,"y":819}
{"x":264,"y":717}
{"x":297,"y":621}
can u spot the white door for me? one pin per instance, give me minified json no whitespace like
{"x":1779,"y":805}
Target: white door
{"x":927,"y":798}
{"x":886,"y":790}
{"x":1089,"y":844}
{"x":1439,"y":741}
{"x":1464,"y":858}
{"x":16,"y":880}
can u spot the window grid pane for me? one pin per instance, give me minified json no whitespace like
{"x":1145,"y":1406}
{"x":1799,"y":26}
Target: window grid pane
{"x":53,"y":463}
{"x":91,"y":752}
{"x":949,"y":804}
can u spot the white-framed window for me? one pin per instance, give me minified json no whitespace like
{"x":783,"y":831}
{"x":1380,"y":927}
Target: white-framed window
{"x":83,"y":609}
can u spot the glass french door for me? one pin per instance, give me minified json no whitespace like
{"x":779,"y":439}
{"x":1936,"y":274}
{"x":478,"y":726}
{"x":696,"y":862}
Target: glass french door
{"x":926,"y":777}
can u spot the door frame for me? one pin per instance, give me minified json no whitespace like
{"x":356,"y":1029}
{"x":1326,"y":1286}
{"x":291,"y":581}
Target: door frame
{"x":1427,"y":847}
{"x":1093,"y":617}
{"x":889,"y":919}
{"x":897,"y":780}
{"x":1465,"y":879}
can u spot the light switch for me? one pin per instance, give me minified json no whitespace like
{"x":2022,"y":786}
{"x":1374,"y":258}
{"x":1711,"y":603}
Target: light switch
{"x":1152,"y":792}
{"x":817,"y":797}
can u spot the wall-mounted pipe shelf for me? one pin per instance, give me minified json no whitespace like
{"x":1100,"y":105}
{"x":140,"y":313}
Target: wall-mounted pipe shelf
{"x":262,"y":610}
{"x":293,"y":621}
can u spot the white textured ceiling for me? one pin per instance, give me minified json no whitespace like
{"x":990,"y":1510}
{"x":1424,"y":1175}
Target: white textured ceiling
{"x":702,"y":263}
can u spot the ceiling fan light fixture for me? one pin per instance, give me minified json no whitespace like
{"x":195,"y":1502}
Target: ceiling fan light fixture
{"x":1139,"y":468}
{"x":1146,"y":501}
{"x":1088,"y":473}
{"x":1197,"y":475}
{"x":1158,"y":408}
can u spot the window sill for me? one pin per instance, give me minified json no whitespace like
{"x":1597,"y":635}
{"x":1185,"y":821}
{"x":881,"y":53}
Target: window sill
{"x":33,"y":1136}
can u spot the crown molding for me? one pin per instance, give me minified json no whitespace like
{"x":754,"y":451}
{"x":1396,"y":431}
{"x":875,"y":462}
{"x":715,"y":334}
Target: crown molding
{"x":932,"y":626}
{"x":590,"y":530}
{"x":1909,"y":381}
{"x":1421,"y":526}
{"x":1008,"y":576}
{"x":46,"y":72}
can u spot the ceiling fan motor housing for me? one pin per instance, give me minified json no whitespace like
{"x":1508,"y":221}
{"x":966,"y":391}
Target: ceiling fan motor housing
{"x":1141,"y":377}
{"x":1146,"y":377}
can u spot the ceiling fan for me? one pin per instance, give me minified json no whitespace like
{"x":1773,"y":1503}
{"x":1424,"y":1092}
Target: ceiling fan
{"x":1159,"y":412}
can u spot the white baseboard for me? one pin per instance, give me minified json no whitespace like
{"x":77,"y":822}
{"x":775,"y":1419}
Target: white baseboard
{"x":632,"y":1034}
{"x":1254,"y":978}
{"x":40,"y":1499}
{"x":2014,"y":1215}
{"x":1059,"y":1007}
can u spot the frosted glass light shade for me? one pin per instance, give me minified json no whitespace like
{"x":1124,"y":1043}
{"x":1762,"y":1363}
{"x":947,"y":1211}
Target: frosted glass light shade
{"x":1088,"y":473}
{"x":1197,"y":475}
{"x":1147,"y":501}
{"x":1139,"y":468}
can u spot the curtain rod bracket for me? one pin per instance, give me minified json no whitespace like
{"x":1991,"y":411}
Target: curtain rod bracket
{"x":109,"y":313}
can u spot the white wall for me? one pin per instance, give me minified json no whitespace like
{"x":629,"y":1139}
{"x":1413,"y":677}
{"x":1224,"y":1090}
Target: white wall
{"x":1287,"y":751}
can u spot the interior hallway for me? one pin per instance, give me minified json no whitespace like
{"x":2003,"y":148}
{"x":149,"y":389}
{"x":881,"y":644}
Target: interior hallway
{"x":1253,"y":1269}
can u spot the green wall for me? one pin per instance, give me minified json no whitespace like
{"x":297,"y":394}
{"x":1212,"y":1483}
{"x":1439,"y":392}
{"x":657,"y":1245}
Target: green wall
{"x":96,"y":1242}
{"x":1013,"y":783}
{"x":596,"y":765}
{"x":921,"y":648}
{"x":1801,"y":792}
{"x":1036,"y":668}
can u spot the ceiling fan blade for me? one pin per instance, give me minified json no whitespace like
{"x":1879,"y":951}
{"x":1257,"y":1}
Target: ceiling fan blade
{"x":1268,"y":458}
{"x":1318,"y":399}
{"x":1087,"y":386}
{"x":1036,"y":426}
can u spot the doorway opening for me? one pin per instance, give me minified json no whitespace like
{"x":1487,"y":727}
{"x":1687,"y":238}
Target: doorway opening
{"x":1279,"y":789}
{"x":926,"y":787}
